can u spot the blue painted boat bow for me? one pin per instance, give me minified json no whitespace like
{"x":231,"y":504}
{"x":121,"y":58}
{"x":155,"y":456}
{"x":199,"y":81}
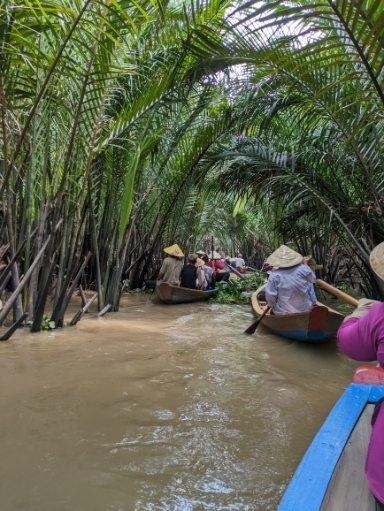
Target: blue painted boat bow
{"x":308,"y":486}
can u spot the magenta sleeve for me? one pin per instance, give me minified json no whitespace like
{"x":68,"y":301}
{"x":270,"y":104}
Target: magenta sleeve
{"x":350,"y":341}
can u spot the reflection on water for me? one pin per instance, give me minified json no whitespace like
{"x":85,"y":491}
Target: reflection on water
{"x":159,"y":407}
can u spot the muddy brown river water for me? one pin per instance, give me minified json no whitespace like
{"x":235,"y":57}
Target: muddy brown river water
{"x":159,"y":408}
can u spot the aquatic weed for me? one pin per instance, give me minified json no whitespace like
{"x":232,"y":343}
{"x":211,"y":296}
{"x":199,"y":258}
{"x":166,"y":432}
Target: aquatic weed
{"x":239,"y":290}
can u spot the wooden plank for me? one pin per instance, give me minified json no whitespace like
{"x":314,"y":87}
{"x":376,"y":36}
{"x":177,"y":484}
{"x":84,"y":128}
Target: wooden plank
{"x":348,"y":489}
{"x":309,"y":484}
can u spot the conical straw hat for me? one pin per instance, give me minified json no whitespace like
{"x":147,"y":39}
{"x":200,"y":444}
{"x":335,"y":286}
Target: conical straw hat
{"x":216,"y":255}
{"x":199,"y":262}
{"x":376,"y":260}
{"x":174,"y":250}
{"x":200,"y":252}
{"x":284,"y":257}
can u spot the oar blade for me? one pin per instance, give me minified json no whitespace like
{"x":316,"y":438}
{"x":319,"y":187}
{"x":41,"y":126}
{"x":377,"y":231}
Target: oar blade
{"x":252,"y":328}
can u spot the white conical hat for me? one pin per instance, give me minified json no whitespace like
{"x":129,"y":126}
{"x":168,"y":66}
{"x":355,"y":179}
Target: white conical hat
{"x":284,"y":257}
{"x":376,"y":260}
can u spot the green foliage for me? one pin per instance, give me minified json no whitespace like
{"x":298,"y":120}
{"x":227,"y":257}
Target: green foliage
{"x":47,"y":324}
{"x":312,"y":150}
{"x":141,"y":124}
{"x":127,"y":199}
{"x":238,"y":290}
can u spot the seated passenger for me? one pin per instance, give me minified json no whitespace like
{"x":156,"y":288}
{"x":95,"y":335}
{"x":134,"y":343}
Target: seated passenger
{"x":208,"y":273}
{"x":201,"y":281}
{"x":171,"y":267}
{"x":311,"y":289}
{"x":217,"y":263}
{"x":231,"y":261}
{"x":288,"y":287}
{"x":312,"y":294}
{"x":189,"y":273}
{"x":361,"y":337}
{"x":239,"y":263}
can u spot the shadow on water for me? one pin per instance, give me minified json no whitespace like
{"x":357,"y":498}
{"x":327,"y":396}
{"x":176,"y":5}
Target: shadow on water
{"x":160,"y":408}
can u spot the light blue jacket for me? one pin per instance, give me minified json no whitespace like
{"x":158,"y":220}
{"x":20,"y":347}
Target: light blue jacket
{"x":291,"y":289}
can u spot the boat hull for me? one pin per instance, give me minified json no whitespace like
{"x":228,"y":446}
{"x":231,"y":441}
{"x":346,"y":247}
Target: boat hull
{"x":330,"y":476}
{"x":169,"y":294}
{"x":317,"y":325}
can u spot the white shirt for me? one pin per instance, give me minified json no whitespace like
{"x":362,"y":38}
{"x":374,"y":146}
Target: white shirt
{"x":288,"y":289}
{"x":239,"y":262}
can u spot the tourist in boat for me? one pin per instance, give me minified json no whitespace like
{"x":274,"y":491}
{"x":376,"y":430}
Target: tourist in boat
{"x":361,"y":337}
{"x":208,"y":273}
{"x":311,"y":288}
{"x":231,"y":261}
{"x":217,"y":263}
{"x":288,"y":287}
{"x":239,"y":263}
{"x":172,"y":265}
{"x":201,"y":280}
{"x":214,"y":260}
{"x":190,"y":277}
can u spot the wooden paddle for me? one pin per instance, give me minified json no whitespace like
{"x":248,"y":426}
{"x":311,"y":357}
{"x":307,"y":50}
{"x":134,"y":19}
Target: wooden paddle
{"x":233,"y":270}
{"x":252,"y":329}
{"x":336,"y":292}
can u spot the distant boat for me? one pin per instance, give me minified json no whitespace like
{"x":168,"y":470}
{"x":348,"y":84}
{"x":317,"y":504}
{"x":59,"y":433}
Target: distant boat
{"x":331,"y":475}
{"x":176,"y":294}
{"x":318,"y":324}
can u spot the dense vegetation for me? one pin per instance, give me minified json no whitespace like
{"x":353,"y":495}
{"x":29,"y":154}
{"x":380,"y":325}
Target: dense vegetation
{"x":239,"y":290}
{"x":126,"y":126}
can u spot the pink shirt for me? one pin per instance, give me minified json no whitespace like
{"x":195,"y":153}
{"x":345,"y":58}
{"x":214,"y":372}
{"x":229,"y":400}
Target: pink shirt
{"x":219,"y":264}
{"x":216,"y":265}
{"x":363,"y":339}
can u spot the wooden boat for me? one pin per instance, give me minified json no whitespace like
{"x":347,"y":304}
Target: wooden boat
{"x":176,"y":294}
{"x":331,"y":475}
{"x":316,"y":325}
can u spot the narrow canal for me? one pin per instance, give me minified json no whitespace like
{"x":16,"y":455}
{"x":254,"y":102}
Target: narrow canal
{"x":167,"y":408}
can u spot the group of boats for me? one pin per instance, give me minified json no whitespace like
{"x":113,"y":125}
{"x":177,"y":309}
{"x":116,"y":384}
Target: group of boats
{"x":319,"y":324}
{"x":330,"y":476}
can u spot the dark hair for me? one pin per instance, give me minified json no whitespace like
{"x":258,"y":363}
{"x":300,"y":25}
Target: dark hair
{"x":205,"y":258}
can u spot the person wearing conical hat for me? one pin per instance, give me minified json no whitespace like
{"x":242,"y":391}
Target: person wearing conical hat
{"x":201,"y":282}
{"x":208,"y":272}
{"x":172,"y":265}
{"x":217,"y":263}
{"x":361,"y":337}
{"x":290,"y":283}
